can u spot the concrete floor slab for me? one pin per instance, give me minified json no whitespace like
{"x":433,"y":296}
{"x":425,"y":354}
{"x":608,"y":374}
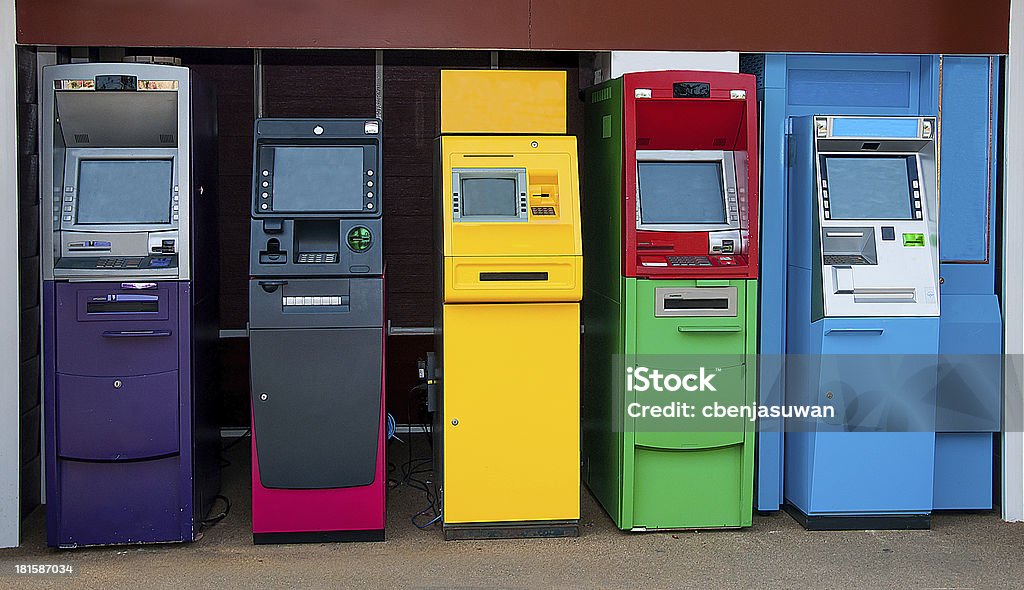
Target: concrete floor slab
{"x":970,"y":550}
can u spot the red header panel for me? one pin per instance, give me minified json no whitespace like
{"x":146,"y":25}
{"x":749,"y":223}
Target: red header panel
{"x":677,"y":120}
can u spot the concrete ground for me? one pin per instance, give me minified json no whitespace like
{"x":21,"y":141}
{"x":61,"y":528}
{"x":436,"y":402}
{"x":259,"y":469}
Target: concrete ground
{"x":974,"y":550}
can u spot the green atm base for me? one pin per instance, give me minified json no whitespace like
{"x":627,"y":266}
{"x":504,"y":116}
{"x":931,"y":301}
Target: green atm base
{"x":664,"y":474}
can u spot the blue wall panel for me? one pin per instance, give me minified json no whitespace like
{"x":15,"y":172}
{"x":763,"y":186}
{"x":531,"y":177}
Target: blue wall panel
{"x":965,"y":190}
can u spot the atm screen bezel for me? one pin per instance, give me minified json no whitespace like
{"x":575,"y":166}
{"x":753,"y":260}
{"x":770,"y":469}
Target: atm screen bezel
{"x":265,"y":163}
{"x":522,"y":191}
{"x":72,"y":165}
{"x":730,"y":189}
{"x":917,"y":211}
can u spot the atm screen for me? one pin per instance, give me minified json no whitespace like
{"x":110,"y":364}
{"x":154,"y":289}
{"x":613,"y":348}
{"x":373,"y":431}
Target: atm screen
{"x":318,"y":179}
{"x":875,"y":187}
{"x":124,"y":191}
{"x":681,"y":192}
{"x":489,"y":196}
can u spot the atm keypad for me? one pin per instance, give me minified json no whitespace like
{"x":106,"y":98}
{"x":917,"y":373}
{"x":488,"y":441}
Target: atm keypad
{"x":689,"y":261}
{"x":543,"y":210}
{"x":118,"y":262}
{"x":845,"y":259}
{"x":318,"y":257}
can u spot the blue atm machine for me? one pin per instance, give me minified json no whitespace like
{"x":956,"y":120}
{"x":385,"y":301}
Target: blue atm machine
{"x":962,"y":91}
{"x":863,"y":320}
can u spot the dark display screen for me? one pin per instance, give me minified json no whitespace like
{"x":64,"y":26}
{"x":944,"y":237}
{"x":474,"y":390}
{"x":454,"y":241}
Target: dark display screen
{"x":681,"y":192}
{"x":489,"y":196}
{"x":318,"y":179}
{"x":691,"y":90}
{"x":124,"y":191}
{"x":876,"y":187}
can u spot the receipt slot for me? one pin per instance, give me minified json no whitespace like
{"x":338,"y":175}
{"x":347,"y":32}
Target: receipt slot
{"x":316,"y":332}
{"x":670,"y":230}
{"x":863,"y":317}
{"x":130,"y":304}
{"x":511,"y":275}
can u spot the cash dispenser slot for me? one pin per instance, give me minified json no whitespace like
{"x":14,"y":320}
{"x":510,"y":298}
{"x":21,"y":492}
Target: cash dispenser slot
{"x":695,"y":302}
{"x":121,"y":303}
{"x":672,"y":304}
{"x":513,"y":276}
{"x":317,"y":241}
{"x":849,"y":246}
{"x":908,"y":295}
{"x":89,"y":246}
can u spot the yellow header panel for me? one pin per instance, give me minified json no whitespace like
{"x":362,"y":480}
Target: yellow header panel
{"x":502,"y":101}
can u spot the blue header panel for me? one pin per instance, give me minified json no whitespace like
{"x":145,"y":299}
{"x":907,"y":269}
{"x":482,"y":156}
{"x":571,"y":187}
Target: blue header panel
{"x":875,"y":128}
{"x":858,"y":84}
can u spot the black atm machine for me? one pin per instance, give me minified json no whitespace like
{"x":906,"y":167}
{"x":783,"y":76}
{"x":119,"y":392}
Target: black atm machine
{"x":316,"y":331}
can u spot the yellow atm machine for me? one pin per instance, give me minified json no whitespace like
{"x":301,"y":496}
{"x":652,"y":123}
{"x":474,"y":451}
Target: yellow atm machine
{"x":512,"y":276}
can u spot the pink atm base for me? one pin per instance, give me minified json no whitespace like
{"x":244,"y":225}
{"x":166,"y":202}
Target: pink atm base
{"x":320,"y":516}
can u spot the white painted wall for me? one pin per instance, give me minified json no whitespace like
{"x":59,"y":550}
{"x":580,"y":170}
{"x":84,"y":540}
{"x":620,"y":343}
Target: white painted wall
{"x":1013,"y":271}
{"x":612,"y":64}
{"x":10,"y":453}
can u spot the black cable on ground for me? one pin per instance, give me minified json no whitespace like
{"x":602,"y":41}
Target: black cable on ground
{"x":240,"y":438}
{"x":412,"y":470}
{"x":222,"y":515}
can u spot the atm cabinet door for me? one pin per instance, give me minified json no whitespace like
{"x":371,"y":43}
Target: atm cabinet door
{"x":316,"y":406}
{"x":511,"y":412}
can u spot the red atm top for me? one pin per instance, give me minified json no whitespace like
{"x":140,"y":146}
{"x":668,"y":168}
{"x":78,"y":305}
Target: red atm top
{"x":691,"y":175}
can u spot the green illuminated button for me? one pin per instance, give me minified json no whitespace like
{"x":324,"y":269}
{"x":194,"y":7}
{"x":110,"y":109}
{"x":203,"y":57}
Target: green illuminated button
{"x":913,"y":240}
{"x":359,"y":239}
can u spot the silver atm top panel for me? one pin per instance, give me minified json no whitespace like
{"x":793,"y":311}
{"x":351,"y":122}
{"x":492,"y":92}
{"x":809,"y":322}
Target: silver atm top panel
{"x":115,"y":166}
{"x":877,"y":195}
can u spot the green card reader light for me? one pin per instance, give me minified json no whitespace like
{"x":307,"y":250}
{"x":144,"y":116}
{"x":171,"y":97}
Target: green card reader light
{"x":359,"y":239}
{"x":913,"y":241}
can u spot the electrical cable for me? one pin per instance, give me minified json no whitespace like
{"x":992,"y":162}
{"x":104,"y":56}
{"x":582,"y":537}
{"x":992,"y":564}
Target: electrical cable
{"x":219,"y":517}
{"x":240,"y":438}
{"x":390,"y":427}
{"x":417,"y":473}
{"x":224,"y":463}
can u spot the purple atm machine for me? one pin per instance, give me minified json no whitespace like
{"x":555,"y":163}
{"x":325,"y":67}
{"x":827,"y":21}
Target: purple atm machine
{"x":129,"y":258}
